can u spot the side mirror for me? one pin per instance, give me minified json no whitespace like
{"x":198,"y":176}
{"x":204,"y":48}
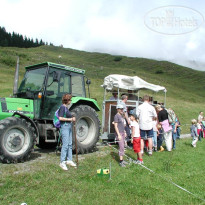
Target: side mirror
{"x":56,"y":76}
{"x":49,"y":92}
{"x":88,"y":82}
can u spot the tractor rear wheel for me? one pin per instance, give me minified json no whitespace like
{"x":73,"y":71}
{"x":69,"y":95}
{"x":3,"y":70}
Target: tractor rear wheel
{"x":87,"y":127}
{"x":17,"y":138}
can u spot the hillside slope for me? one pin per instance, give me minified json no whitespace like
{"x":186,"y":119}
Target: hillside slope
{"x":185,"y":86}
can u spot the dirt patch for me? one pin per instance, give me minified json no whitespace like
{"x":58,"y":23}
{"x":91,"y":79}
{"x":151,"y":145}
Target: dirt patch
{"x":41,"y":158}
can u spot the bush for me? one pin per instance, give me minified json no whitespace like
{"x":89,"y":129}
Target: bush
{"x":7,"y":60}
{"x":159,"y":72}
{"x":118,"y":58}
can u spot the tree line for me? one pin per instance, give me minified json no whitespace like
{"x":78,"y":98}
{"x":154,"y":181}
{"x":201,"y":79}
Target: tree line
{"x":17,"y":40}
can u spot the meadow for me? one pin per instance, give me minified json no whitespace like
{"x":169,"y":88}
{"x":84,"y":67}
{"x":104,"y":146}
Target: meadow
{"x":41,"y":181}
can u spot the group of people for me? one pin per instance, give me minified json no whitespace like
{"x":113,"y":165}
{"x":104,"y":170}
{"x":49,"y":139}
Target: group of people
{"x":147,"y":125}
{"x":197,"y":129}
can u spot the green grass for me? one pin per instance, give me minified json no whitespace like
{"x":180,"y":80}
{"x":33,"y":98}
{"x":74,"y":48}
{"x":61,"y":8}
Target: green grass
{"x":41,"y":181}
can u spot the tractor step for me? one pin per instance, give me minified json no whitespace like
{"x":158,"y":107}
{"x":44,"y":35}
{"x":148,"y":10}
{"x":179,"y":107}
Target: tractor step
{"x":51,"y":135}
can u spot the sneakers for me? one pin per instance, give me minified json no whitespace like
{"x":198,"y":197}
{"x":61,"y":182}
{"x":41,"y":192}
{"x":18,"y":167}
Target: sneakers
{"x":71,"y":163}
{"x":138,"y":162}
{"x":122,"y":165}
{"x":124,"y":162}
{"x":150,"y":152}
{"x":63,"y":166}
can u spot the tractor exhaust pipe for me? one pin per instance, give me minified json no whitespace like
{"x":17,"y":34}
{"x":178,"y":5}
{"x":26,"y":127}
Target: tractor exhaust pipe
{"x":16,"y":79}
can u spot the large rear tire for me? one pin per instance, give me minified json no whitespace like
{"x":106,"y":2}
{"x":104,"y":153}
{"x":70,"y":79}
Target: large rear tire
{"x":17,"y":139}
{"x":87,"y":128}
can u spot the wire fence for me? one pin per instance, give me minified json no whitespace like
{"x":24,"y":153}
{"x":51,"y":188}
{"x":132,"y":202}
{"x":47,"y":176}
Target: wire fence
{"x":165,"y":179}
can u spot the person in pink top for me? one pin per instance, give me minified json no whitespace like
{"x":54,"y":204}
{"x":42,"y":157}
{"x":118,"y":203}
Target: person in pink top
{"x":199,"y":129}
{"x":167,"y":128}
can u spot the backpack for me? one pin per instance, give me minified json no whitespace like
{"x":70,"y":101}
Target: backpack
{"x":56,"y":121}
{"x":171,"y":116}
{"x":203,"y":124}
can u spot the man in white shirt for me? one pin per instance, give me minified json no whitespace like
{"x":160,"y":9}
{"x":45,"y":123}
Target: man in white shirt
{"x":146,"y":113}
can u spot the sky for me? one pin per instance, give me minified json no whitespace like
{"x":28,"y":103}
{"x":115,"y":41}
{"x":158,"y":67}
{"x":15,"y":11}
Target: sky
{"x":169,"y":30}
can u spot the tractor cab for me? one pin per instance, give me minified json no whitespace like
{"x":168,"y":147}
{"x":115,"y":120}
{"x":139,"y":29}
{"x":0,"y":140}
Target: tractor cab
{"x":46,"y":83}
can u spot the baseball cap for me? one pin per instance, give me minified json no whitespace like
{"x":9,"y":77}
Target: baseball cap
{"x":119,"y":106}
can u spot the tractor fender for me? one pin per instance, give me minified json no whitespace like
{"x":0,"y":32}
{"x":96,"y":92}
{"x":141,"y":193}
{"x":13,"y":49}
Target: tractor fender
{"x":84,"y":101}
{"x":29,"y":120}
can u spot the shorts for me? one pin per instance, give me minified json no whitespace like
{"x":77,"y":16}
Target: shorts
{"x":146,"y":134}
{"x":137,"y":144}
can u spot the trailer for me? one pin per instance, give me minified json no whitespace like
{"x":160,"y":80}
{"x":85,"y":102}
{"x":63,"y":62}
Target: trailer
{"x":129,"y":85}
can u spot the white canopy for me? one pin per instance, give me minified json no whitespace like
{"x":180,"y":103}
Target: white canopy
{"x":128,"y":83}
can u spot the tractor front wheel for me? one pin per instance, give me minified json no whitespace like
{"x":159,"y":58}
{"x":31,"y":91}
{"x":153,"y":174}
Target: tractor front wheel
{"x":17,"y":138}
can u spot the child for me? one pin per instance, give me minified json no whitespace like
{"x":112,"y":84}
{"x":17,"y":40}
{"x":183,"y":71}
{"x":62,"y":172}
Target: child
{"x":120,"y":133}
{"x":203,"y":126}
{"x":155,"y":131}
{"x":194,"y":134}
{"x":160,"y":138}
{"x":199,"y":129}
{"x":136,"y":139}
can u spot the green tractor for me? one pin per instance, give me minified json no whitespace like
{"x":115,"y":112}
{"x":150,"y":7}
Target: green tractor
{"x":26,"y":119}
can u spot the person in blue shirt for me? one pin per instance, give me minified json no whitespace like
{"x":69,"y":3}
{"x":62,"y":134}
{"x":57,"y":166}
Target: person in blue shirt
{"x":194,"y":134}
{"x":178,"y":127}
{"x":66,"y":120}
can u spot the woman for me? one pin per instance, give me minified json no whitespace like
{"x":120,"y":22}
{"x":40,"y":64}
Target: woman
{"x":167,"y":128}
{"x":120,"y":132}
{"x":66,"y":120}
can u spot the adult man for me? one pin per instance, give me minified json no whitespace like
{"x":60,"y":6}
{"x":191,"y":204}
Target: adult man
{"x":146,"y":113}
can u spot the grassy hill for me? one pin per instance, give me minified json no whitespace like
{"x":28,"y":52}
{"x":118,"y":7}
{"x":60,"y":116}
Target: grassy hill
{"x":185,"y":86}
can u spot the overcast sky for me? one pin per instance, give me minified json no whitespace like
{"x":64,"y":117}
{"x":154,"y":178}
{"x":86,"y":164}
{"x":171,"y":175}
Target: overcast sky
{"x":164,"y":29}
